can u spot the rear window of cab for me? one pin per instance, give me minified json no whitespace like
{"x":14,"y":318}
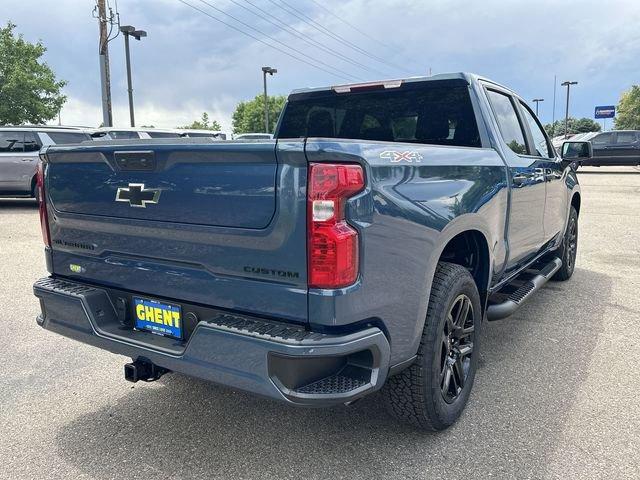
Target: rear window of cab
{"x":422,"y":112}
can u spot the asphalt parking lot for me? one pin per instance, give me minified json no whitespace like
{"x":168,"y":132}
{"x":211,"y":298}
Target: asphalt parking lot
{"x":556,"y":395}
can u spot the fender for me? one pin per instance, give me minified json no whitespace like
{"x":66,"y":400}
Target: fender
{"x":464,"y":223}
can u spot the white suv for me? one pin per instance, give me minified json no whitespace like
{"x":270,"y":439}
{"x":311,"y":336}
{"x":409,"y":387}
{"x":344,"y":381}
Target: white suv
{"x":19,"y":148}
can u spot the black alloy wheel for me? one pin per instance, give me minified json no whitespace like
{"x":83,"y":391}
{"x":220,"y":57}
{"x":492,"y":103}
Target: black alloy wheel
{"x":456,"y":348}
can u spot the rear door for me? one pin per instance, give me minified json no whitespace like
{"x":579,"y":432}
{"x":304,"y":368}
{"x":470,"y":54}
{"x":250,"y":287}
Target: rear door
{"x":220,"y":224}
{"x":555,"y":208}
{"x":18,"y":160}
{"x":527,"y":179}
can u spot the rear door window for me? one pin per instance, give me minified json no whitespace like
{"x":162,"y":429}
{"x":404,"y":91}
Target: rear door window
{"x":31,"y":143}
{"x":420,"y":112}
{"x":508,"y":122}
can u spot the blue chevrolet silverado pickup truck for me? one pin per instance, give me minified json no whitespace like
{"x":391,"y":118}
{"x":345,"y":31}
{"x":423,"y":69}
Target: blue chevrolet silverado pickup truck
{"x":361,"y":249}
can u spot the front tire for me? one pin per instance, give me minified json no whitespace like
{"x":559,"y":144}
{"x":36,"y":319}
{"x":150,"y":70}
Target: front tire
{"x":569,"y":248}
{"x":432,"y":393}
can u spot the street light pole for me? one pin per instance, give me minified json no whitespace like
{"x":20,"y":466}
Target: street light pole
{"x":537,"y":101}
{"x":566,"y":113}
{"x":270,"y":71}
{"x":128,"y":30}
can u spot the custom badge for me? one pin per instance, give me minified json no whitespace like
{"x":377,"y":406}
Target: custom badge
{"x":397,"y":156}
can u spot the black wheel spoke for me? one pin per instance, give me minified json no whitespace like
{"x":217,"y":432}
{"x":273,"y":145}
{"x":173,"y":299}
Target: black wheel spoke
{"x":458,"y":371}
{"x":463,"y":312}
{"x":446,"y":381}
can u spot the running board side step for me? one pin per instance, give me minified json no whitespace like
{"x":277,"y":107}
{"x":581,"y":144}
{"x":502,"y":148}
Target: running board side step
{"x":516,"y":299}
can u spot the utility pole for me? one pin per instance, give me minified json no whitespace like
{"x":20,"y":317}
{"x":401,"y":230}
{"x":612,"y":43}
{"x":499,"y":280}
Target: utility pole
{"x":270,"y":71}
{"x":566,"y":114}
{"x":553,"y":113}
{"x":103,"y":52}
{"x":128,"y":30}
{"x":537,"y":101}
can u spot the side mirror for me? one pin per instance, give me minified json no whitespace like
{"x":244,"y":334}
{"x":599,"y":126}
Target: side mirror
{"x":575,"y":151}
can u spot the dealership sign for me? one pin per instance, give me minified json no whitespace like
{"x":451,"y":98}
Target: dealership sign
{"x":607,"y":111}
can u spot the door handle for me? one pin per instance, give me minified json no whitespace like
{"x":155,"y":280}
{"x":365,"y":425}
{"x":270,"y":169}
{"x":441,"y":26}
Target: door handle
{"x":27,"y":159}
{"x":519,"y":179}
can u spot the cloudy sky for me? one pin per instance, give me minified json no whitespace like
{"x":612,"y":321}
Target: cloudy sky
{"x":190,"y":63}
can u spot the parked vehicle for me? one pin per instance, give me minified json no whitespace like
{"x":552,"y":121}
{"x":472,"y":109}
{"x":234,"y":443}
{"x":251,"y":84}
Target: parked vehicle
{"x":19,"y":146}
{"x":134,"y":133}
{"x":615,"y":148}
{"x":360,"y":250}
{"x":253,"y":136}
{"x":199,"y":133}
{"x":583,"y":137}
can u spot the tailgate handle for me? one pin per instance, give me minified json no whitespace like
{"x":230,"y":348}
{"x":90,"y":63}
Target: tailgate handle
{"x":137,"y":160}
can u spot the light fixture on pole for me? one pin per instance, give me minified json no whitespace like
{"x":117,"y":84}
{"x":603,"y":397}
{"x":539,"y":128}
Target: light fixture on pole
{"x":566,"y":113}
{"x":128,"y":30}
{"x":537,"y":101}
{"x":270,"y":71}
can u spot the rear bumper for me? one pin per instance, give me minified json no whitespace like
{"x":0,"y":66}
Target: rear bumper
{"x":276,"y":360}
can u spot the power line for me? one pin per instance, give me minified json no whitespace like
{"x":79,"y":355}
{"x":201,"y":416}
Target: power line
{"x":297,"y":33}
{"x":322,"y":29}
{"x":258,"y":39}
{"x":278,"y":41}
{"x":361,"y":32}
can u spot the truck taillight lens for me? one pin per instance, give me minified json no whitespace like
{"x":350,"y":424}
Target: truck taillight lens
{"x":333,"y":243}
{"x":42,"y":205}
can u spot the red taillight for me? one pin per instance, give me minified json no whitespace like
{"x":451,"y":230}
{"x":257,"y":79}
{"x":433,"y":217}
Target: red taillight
{"x":42,"y":205}
{"x":333,"y":243}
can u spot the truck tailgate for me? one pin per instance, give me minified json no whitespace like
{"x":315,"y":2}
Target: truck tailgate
{"x":221,"y":224}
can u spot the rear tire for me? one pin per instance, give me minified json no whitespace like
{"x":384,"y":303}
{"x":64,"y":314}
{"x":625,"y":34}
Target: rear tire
{"x":569,"y":248}
{"x":432,"y":393}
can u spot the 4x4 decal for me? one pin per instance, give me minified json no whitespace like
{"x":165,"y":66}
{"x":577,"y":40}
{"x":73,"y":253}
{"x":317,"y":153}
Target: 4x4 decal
{"x":397,"y":156}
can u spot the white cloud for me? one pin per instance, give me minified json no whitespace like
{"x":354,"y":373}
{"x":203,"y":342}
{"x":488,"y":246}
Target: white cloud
{"x":189,"y":63}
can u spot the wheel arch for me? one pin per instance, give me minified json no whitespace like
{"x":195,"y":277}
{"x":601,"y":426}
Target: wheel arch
{"x":576,"y":201}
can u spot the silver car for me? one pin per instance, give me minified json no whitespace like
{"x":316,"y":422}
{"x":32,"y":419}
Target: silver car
{"x":19,"y":148}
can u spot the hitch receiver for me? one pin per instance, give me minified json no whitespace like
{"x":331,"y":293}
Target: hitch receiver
{"x":143,"y":370}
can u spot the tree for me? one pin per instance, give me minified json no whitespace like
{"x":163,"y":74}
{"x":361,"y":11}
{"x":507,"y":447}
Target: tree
{"x":204,"y":123}
{"x":249,"y":116}
{"x":29,"y":91}
{"x":628,"y":111}
{"x":574,"y":125}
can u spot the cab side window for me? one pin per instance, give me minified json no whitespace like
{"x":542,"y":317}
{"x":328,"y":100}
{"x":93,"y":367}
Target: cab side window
{"x":508,"y":122}
{"x":540,"y":143}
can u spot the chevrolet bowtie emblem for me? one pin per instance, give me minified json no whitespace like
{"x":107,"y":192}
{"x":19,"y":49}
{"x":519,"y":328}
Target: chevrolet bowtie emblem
{"x":137,"y":195}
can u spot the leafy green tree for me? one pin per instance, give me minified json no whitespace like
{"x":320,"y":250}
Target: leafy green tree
{"x":249,"y":116}
{"x":204,"y":123}
{"x":628,"y":111}
{"x":29,"y":91}
{"x":574,"y":125}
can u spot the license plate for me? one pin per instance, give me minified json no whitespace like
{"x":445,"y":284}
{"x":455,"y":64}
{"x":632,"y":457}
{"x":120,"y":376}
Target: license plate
{"x":158,"y":317}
